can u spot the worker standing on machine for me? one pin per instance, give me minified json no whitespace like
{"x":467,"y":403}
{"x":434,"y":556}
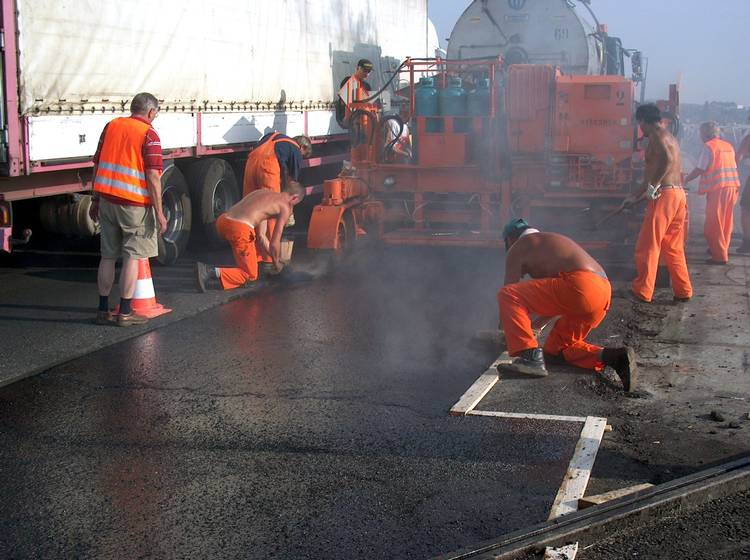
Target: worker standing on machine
{"x":244,"y":224}
{"x":272,"y":165}
{"x":663,"y":230}
{"x":720,"y":182}
{"x":353,"y":89}
{"x":566,"y":282}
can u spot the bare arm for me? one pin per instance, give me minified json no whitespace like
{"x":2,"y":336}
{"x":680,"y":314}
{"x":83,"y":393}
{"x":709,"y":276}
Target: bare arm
{"x":153,"y":182}
{"x":275,"y":245}
{"x":263,"y":236}
{"x":695,"y":173}
{"x":94,"y":208}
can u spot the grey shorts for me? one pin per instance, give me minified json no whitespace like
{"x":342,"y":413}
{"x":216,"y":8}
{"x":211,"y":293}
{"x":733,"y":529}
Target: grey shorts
{"x":127,"y":231}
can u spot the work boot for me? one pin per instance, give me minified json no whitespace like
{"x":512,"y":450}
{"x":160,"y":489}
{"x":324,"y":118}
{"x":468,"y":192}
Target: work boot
{"x":677,"y":299}
{"x":103,"y":318}
{"x":529,"y":362}
{"x":623,"y":361}
{"x":716,"y":263}
{"x":743,"y":249}
{"x":131,"y":319}
{"x":204,"y":276}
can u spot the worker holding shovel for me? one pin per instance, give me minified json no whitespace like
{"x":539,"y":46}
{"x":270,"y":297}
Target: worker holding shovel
{"x":663,"y":231}
{"x":566,"y":282}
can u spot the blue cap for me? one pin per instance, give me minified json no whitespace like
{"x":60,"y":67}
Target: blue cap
{"x":515,"y":227}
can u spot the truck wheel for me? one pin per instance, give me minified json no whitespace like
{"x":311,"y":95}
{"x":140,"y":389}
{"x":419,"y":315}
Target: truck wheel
{"x":175,"y":199}
{"x":215,"y":190}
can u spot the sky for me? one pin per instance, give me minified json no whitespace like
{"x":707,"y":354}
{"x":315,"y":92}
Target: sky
{"x":701,"y":44}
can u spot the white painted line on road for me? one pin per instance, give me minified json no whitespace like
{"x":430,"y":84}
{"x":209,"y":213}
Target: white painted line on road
{"x":577,"y":478}
{"x":480,"y":388}
{"x":525,"y":416}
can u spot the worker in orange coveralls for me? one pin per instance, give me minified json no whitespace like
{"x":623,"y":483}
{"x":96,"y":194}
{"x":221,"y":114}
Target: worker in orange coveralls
{"x":241,"y":226}
{"x":566,"y":282}
{"x":272,"y":164}
{"x":663,"y":230}
{"x":720,"y":182}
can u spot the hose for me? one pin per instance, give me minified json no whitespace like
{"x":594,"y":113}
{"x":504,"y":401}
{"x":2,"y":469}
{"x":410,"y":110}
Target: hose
{"x":354,"y":134}
{"x":383,"y":124}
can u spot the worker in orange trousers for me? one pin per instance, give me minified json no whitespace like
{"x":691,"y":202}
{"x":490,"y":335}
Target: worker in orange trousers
{"x":272,"y":164}
{"x":664,"y":225}
{"x":566,"y":283}
{"x":242,"y":226}
{"x":720,"y":182}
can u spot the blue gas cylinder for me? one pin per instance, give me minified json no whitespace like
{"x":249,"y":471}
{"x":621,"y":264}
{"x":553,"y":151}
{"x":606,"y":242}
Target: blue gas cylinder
{"x":478,"y":99}
{"x":426,"y":103}
{"x":452,"y":101}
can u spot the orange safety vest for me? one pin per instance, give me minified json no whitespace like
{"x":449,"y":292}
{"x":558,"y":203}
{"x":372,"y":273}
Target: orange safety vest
{"x":120,"y":172}
{"x":723,"y":170}
{"x":262,"y":170}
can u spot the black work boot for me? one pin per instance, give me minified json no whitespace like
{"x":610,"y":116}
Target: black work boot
{"x":528,"y":362}
{"x":623,"y":361}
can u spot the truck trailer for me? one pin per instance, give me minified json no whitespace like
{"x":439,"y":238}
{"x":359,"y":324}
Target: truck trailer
{"x":225,"y":73}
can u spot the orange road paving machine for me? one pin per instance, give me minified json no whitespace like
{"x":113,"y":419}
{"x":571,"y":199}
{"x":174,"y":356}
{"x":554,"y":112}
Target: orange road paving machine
{"x":488,"y":142}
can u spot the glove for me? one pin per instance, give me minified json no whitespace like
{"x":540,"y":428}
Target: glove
{"x":653,"y":192}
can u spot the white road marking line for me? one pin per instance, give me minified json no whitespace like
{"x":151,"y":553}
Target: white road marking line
{"x":480,"y":388}
{"x":577,"y":477}
{"x":525,"y":416}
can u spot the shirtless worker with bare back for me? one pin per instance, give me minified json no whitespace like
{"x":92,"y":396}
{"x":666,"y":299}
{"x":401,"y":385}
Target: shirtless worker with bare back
{"x":240,"y":226}
{"x":663,"y":230}
{"x":567,"y":283}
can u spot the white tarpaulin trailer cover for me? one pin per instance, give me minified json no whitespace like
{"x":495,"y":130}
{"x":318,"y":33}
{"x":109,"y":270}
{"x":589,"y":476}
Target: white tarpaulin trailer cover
{"x":98,"y":53}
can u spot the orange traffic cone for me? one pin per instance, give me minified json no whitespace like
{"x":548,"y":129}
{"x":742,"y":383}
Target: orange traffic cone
{"x":144,"y":297}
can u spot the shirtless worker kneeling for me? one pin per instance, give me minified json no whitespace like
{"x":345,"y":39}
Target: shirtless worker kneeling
{"x":240,"y":225}
{"x":566,"y":282}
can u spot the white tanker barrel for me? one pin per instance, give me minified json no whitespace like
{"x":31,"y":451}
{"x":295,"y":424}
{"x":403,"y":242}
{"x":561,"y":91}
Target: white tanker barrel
{"x":528,"y":32}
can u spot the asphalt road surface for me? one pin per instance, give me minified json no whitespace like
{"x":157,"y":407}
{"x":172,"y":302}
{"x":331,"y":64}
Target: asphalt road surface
{"x":308,"y":420}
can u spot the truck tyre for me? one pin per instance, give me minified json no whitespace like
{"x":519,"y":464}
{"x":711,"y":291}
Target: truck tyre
{"x":178,"y":211}
{"x":215,"y":190}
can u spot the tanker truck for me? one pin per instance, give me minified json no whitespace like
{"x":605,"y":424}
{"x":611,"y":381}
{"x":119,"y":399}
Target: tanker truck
{"x":225,"y":74}
{"x":561,"y":33}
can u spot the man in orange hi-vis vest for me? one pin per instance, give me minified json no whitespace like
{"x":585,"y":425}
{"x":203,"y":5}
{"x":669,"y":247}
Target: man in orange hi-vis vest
{"x":127,"y":203}
{"x":720,"y":182}
{"x":273,"y":164}
{"x":352,"y":89}
{"x":663,"y":230}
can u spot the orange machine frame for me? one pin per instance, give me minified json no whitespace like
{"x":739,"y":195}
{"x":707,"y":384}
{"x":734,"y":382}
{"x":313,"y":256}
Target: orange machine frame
{"x":558,"y":150}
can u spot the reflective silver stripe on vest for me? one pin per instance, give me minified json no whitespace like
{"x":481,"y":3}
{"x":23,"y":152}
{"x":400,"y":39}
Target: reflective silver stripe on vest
{"x":122,"y":170}
{"x":135,"y":189}
{"x":731,"y":171}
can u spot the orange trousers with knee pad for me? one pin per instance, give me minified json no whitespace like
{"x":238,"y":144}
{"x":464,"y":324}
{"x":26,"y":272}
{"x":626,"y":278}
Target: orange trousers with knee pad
{"x":720,"y":221}
{"x":663,"y":235}
{"x":580,"y":298}
{"x":241,"y":237}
